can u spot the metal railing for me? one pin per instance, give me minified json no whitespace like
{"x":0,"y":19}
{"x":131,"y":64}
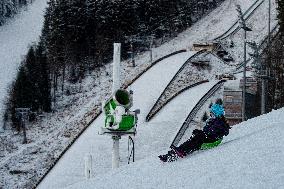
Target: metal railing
{"x":233,"y":115}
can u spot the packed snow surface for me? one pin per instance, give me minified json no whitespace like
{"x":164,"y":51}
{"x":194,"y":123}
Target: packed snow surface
{"x":250,"y":157}
{"x":15,"y":37}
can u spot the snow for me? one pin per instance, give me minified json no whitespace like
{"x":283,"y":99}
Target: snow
{"x":258,"y":33}
{"x":146,"y":131}
{"x":15,"y":37}
{"x":198,"y":171}
{"x":54,"y":132}
{"x":210,"y":27}
{"x":189,"y":75}
{"x":250,"y":157}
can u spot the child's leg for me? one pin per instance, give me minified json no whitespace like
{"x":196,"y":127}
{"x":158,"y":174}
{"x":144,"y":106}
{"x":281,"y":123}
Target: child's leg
{"x":194,"y":143}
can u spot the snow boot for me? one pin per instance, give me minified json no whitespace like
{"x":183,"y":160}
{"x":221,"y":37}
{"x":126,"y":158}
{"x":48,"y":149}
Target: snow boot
{"x":180,"y":153}
{"x":169,"y":157}
{"x":163,"y":158}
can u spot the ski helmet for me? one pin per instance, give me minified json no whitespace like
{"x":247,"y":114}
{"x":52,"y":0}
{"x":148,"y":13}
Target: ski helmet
{"x":217,"y":110}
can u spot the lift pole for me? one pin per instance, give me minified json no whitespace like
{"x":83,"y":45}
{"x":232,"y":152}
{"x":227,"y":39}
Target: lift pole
{"x":242,"y":23}
{"x":115,"y":87}
{"x":115,"y":151}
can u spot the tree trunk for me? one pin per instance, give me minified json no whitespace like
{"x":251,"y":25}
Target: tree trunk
{"x":63,"y":78}
{"x":54,"y":90}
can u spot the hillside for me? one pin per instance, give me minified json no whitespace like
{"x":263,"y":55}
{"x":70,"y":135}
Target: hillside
{"x":53,"y":132}
{"x":153,"y":137}
{"x":250,"y":157}
{"x":15,"y":37}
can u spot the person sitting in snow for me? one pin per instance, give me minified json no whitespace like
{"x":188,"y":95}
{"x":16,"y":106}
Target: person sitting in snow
{"x":215,"y":129}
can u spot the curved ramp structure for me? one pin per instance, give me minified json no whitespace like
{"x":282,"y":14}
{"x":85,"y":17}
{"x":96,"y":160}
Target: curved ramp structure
{"x":158,"y":104}
{"x":194,"y":111}
{"x":155,"y":111}
{"x":235,"y":27}
{"x":154,"y":63}
{"x":146,"y":90}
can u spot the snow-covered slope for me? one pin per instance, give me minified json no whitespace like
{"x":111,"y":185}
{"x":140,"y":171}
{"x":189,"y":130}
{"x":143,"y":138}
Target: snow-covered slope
{"x":70,"y":167}
{"x":250,"y":157}
{"x":259,"y":31}
{"x":15,"y":36}
{"x":154,"y":137}
{"x":49,"y":139}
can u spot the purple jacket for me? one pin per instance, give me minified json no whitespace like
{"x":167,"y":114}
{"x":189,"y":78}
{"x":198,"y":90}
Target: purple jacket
{"x":216,"y":128}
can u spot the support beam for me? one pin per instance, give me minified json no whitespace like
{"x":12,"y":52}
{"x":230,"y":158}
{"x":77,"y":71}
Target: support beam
{"x":116,"y":67}
{"x":262,"y":96}
{"x":244,"y":78}
{"x":115,"y":151}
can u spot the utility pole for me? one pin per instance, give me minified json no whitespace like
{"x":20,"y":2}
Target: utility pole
{"x":244,"y":78}
{"x":115,"y":151}
{"x":262,"y":95}
{"x":117,"y":112}
{"x":151,"y":50}
{"x":263,"y":87}
{"x":116,"y":85}
{"x":256,"y":56}
{"x":131,"y":39}
{"x":132,"y":53}
{"x":269,"y":15}
{"x":243,"y":25}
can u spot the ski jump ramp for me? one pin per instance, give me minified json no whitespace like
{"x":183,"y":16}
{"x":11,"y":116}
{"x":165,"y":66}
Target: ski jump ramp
{"x":70,"y":168}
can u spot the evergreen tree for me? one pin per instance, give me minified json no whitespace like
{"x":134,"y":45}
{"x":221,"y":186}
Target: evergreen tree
{"x":21,"y":96}
{"x":75,"y":30}
{"x":7,"y":9}
{"x":10,"y":7}
{"x":273,"y":58}
{"x":44,"y":97}
{"x":33,"y":75}
{"x":280,"y":15}
{"x":31,"y":88}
